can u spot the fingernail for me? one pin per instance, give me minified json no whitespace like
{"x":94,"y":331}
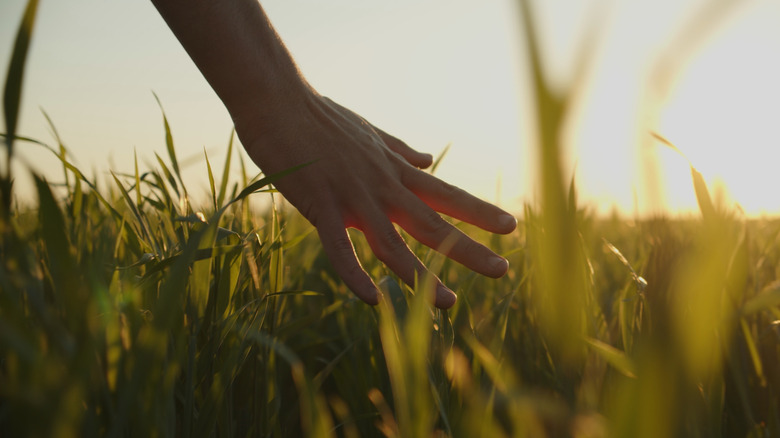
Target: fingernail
{"x":499,"y":264}
{"x":507,"y":221}
{"x":445,"y":298}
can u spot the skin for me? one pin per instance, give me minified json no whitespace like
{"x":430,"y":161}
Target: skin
{"x":361,"y":177}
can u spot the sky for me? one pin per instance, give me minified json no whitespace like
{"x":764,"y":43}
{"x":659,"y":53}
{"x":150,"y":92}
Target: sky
{"x":442,"y":72}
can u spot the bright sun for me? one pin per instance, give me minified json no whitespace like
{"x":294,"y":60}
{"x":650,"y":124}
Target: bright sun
{"x":723,"y":114}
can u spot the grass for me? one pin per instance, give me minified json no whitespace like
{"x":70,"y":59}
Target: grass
{"x":129,"y":311}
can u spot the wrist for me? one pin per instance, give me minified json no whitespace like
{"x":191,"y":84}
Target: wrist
{"x":258,"y":111}
{"x":239,"y":53}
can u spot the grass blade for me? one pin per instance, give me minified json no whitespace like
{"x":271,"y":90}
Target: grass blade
{"x":137,"y":214}
{"x":276,"y":268}
{"x":259,"y":184}
{"x":62,"y":149}
{"x":62,"y":265}
{"x":77,"y":173}
{"x":702,"y":195}
{"x":618,"y":359}
{"x":211,"y":180}
{"x":138,"y":197}
{"x":226,"y":171}
{"x":439,"y":159}
{"x":169,"y":140}
{"x":768,"y":298}
{"x":12,"y":94}
{"x":168,"y":175}
{"x":754,"y":355}
{"x":699,"y":185}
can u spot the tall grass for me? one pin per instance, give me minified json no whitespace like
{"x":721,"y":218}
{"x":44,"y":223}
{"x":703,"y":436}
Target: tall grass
{"x":132,"y":311}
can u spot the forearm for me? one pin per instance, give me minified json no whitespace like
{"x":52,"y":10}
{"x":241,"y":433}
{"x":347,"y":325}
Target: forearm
{"x":239,"y":53}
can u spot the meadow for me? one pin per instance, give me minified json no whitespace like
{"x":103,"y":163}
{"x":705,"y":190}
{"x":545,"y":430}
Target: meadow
{"x":128,"y":309}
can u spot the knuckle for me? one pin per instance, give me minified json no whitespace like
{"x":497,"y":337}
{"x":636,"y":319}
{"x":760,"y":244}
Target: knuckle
{"x":435,"y":225}
{"x":343,"y":247}
{"x":393,"y":241}
{"x":471,"y":247}
{"x":390,"y":244}
{"x":448,"y":190}
{"x":411,"y":176}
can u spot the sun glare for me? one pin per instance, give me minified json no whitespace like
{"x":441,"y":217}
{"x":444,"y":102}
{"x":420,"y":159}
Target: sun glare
{"x":457,"y":74}
{"x":723,"y":111}
{"x":702,"y":75}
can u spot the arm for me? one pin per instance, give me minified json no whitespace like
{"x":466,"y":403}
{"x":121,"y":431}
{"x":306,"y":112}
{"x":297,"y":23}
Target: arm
{"x":362,"y":178}
{"x":238,"y":51}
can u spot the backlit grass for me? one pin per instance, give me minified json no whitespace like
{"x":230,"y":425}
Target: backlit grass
{"x":127,"y":309}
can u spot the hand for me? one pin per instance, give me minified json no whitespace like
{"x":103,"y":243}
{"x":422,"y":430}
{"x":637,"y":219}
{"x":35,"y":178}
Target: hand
{"x":361,"y":177}
{"x":366,"y":179}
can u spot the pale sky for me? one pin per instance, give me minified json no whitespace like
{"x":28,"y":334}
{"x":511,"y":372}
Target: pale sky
{"x":440,"y":72}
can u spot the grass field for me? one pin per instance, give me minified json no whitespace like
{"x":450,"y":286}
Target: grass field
{"x":126,"y":310}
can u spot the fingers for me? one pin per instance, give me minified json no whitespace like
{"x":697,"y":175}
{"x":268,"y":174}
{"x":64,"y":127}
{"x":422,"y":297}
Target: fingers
{"x":415,"y":211}
{"x":389,"y":247}
{"x":425,"y":225}
{"x":392,"y":250}
{"x":455,"y":202}
{"x":338,"y":247}
{"x":413,"y":157}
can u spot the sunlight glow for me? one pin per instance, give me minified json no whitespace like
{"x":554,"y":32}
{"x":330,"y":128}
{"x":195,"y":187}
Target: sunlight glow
{"x":725,"y":108}
{"x":443,"y":72}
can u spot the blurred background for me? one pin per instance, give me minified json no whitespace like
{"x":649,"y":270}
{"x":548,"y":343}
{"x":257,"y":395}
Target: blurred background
{"x":704,"y":74}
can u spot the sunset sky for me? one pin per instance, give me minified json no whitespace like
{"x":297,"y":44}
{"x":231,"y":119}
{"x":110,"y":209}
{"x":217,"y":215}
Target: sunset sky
{"x":443,"y":72}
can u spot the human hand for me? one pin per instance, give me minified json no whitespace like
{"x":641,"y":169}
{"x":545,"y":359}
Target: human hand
{"x":362,"y":177}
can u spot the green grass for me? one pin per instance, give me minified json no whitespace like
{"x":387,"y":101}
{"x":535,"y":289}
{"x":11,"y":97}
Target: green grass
{"x":143,"y":319}
{"x":129,"y":311}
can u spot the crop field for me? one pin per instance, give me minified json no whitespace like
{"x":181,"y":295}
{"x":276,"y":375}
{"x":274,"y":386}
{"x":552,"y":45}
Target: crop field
{"x":128,"y":309}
